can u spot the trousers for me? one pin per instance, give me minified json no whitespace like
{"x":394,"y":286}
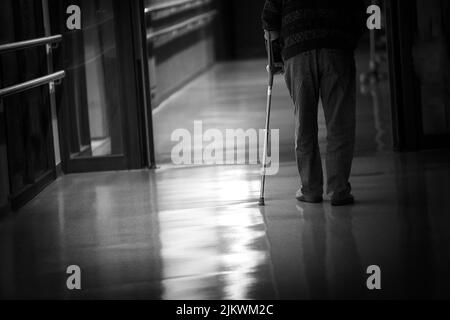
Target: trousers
{"x":329,"y":75}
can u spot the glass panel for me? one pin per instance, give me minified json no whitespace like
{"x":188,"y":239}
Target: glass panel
{"x":28,"y":128}
{"x":93,"y":77}
{"x":27,"y":115}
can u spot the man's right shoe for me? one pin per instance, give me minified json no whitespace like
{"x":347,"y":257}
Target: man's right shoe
{"x":308,"y":199}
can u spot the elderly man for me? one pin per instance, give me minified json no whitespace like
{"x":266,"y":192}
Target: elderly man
{"x":319,"y":38}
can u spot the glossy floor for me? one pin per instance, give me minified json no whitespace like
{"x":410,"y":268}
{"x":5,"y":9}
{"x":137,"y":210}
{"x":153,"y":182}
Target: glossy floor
{"x":197,"y":233}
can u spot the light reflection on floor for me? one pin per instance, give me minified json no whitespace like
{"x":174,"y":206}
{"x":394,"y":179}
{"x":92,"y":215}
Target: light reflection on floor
{"x":227,"y":245}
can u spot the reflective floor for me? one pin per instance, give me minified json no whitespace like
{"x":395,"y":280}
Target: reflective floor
{"x":197,"y":233}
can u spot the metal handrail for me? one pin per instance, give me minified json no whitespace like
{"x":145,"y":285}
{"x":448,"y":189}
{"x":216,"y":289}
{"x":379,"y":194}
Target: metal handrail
{"x":9,"y":47}
{"x":32,"y":84}
{"x":186,"y":26}
{"x":170,"y":4}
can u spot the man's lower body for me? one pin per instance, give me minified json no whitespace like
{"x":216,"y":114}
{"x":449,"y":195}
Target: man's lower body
{"x":329,"y":74}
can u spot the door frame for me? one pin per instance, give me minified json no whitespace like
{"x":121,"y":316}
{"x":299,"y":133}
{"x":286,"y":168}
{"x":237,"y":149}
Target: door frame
{"x":405,"y":96}
{"x":142,"y":66}
{"x":405,"y":109}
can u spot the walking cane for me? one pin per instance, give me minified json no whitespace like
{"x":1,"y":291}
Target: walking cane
{"x":270,"y":70}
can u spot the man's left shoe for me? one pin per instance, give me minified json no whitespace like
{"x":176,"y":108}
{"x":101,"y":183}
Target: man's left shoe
{"x":343,"y":201}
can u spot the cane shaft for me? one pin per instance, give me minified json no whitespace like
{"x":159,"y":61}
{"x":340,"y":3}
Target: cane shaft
{"x":266,"y":136}
{"x":270,"y":69}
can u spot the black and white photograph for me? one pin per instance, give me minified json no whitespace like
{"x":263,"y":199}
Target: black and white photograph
{"x":224,"y":156}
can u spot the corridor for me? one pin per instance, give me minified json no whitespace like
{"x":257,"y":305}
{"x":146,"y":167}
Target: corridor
{"x":197,"y":232}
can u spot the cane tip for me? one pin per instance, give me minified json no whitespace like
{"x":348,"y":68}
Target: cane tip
{"x":261,"y":202}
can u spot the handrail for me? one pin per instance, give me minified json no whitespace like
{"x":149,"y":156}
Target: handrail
{"x":9,"y":47}
{"x":171,"y":4}
{"x":183,"y":27}
{"x":32,"y":84}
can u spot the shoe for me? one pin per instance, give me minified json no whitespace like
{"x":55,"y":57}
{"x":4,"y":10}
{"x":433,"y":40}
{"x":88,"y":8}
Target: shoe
{"x":308,"y":199}
{"x":343,"y":201}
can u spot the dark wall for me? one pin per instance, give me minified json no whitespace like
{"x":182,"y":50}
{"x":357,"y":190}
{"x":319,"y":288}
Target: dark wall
{"x":4,"y":183}
{"x":5,"y":33}
{"x":419,"y":38}
{"x":241,"y":31}
{"x":432,"y":64}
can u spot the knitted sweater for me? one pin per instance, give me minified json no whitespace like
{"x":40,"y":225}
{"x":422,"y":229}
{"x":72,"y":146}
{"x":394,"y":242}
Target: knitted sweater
{"x":314,"y":24}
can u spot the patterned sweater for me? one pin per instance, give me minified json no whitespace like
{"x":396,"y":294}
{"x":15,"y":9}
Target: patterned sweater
{"x":314,"y":24}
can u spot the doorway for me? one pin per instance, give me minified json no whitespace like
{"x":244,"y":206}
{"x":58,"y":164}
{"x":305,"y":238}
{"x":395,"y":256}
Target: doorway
{"x":102,"y":99}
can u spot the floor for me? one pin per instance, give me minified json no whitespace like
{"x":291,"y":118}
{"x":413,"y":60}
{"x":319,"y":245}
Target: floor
{"x":197,"y":232}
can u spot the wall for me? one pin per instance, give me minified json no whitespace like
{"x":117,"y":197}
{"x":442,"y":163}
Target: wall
{"x":249,"y":39}
{"x":4,"y":183}
{"x":5,"y":32}
{"x":432,"y":64}
{"x":180,"y":62}
{"x":178,"y":56}
{"x":240,"y":30}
